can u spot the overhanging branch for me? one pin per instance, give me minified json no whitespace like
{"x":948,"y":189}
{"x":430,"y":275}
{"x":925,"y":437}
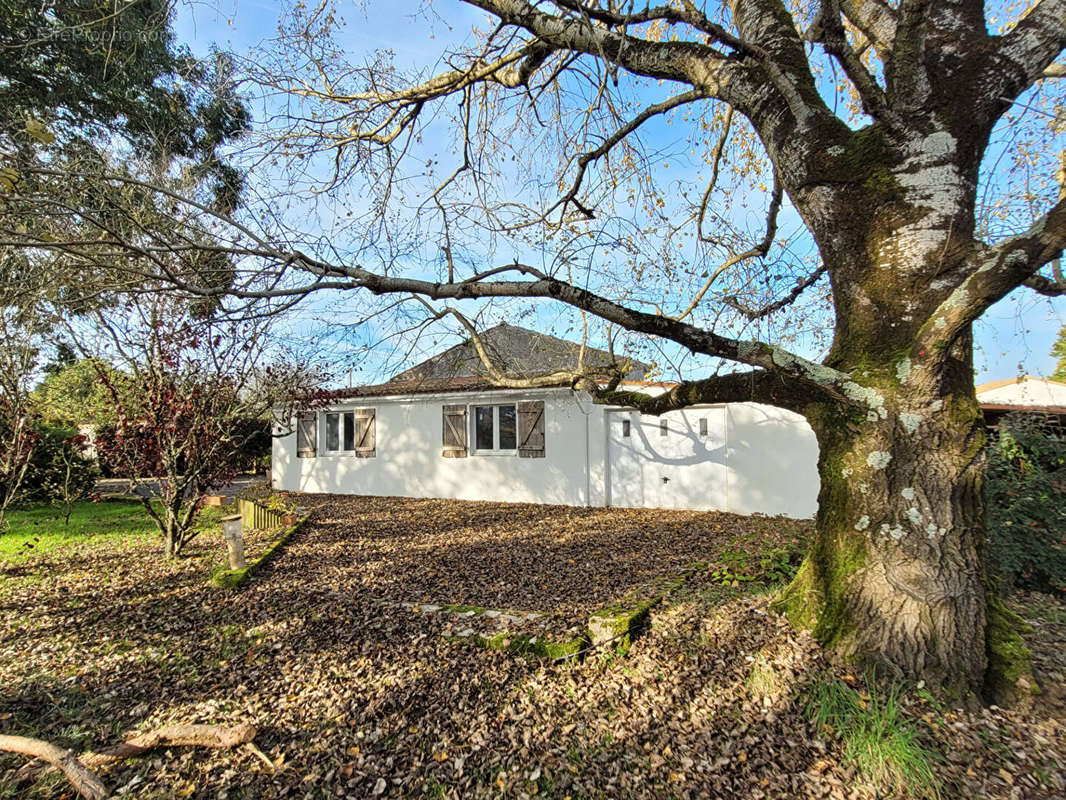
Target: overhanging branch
{"x":757,"y":386}
{"x":828,"y":382}
{"x":997,"y":271}
{"x":875,"y":18}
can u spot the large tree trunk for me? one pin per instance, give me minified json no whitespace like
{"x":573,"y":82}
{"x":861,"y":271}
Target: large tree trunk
{"x":895,"y":579}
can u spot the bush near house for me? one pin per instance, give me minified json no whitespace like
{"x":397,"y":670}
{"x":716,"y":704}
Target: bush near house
{"x":254,"y":455}
{"x":59,"y":467}
{"x":1026,"y":491}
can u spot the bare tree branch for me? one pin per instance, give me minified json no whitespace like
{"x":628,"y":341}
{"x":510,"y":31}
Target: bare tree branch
{"x":1022,"y":56}
{"x":585,"y":159}
{"x":777,"y":305}
{"x":876,"y":19}
{"x":758,"y":250}
{"x":757,"y":386}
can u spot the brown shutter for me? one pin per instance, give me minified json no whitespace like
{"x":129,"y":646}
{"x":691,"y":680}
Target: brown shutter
{"x":454,"y":424}
{"x":365,"y":432}
{"x":531,"y":429}
{"x":306,"y":434}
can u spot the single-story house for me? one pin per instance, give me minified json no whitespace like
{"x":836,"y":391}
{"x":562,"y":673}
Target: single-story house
{"x":441,"y":430}
{"x":1026,"y":393}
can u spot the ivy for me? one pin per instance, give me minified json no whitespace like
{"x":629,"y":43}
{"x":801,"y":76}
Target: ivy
{"x":1026,"y":492}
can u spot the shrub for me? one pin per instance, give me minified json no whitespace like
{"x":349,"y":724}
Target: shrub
{"x":772,"y":558}
{"x":60,"y":470}
{"x":252,"y":432}
{"x":1026,"y":493}
{"x":255,"y":434}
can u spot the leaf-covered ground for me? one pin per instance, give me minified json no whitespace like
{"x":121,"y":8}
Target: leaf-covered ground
{"x":357,"y":696}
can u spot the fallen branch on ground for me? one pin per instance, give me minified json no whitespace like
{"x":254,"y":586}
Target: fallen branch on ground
{"x":172,"y":736}
{"x":87,"y":784}
{"x":78,"y":770}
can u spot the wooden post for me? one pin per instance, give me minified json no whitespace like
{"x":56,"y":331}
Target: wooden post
{"x":231,"y":529}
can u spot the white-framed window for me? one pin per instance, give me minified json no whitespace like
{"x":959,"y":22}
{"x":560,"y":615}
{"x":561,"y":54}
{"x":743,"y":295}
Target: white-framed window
{"x":495,"y":429}
{"x":351,"y":432}
{"x":306,"y":434}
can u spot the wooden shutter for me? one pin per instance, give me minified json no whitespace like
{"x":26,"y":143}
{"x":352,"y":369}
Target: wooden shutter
{"x":306,"y":434}
{"x":365,"y":432}
{"x":531,"y":429}
{"x":454,"y":425}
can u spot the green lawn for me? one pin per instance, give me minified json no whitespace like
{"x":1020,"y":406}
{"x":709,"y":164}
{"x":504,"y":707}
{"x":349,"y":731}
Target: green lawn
{"x":39,"y":530}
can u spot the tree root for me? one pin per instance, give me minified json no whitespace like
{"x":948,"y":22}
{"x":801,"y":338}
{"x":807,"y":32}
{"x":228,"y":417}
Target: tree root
{"x":78,"y":771}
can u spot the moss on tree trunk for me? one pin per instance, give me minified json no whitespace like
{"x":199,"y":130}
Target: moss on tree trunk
{"x":895,"y":579}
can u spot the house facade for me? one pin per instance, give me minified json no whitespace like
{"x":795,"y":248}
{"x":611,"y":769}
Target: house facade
{"x":1023,"y":391}
{"x":1024,"y":394}
{"x":424,"y":435}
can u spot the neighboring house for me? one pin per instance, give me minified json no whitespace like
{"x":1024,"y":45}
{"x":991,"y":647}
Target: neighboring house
{"x":441,"y":430}
{"x":1025,"y":393}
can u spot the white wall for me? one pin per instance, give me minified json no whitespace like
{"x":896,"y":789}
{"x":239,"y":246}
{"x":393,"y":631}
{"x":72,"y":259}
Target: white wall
{"x":772,"y":456}
{"x":409,"y":461}
{"x":755,"y":459}
{"x":1030,"y":392}
{"x":681,"y":469}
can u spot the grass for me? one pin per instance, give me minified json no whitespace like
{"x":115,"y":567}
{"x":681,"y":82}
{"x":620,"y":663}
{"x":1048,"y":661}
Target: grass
{"x":38,"y":530}
{"x":877,"y":741}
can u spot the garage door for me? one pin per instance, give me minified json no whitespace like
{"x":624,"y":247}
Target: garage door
{"x":673,"y":461}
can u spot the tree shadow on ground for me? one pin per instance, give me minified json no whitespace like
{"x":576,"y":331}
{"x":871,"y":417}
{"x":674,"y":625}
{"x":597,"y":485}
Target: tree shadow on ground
{"x":553,"y":559}
{"x":348,"y":691}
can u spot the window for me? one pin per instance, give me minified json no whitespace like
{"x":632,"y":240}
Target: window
{"x":351,"y":432}
{"x":306,"y":435}
{"x":626,"y":428}
{"x":495,"y":429}
{"x":703,"y":426}
{"x":664,"y":427}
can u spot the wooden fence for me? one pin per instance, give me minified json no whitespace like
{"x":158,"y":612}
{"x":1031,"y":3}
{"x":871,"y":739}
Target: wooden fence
{"x":256,"y":517}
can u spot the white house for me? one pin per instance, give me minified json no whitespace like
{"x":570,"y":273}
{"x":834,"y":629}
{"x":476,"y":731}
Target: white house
{"x":439,"y":430}
{"x":1024,"y":391}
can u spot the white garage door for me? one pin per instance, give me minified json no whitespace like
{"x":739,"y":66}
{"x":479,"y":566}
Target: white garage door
{"x":673,"y":461}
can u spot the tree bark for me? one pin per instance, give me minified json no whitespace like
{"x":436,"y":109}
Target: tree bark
{"x":170,"y":544}
{"x":895,"y":579}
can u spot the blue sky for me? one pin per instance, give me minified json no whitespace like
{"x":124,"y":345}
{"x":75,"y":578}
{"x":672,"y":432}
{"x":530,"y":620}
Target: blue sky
{"x":1014,"y":337}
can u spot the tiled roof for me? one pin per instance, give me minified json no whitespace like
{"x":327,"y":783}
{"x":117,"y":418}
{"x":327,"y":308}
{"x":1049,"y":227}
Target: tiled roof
{"x":999,"y":384}
{"x":518,"y":352}
{"x":415,"y":386}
